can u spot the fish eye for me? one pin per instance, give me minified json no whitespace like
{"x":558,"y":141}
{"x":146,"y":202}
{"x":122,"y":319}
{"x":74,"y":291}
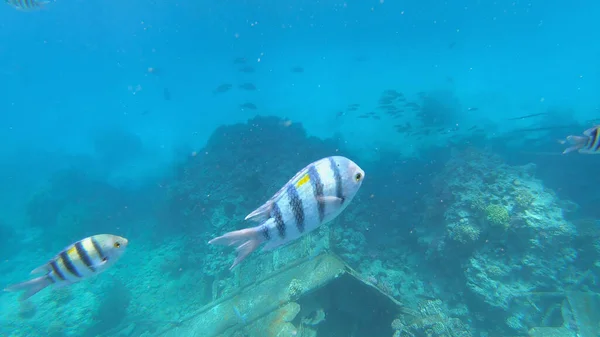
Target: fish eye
{"x":358,"y":176}
{"x":117,"y":245}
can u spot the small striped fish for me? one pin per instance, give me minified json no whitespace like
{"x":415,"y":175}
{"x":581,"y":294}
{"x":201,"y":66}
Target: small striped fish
{"x":589,"y":143}
{"x":27,"y":4}
{"x":77,"y":262}
{"x":314,"y":196}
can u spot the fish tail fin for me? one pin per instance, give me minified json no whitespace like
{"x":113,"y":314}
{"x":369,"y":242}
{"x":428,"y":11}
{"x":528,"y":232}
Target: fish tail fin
{"x":577,"y":141}
{"x":246,"y":241}
{"x":31,"y":287}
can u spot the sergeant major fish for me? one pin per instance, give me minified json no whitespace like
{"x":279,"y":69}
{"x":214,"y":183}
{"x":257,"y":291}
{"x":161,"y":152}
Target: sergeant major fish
{"x":27,"y":4}
{"x":77,"y":262}
{"x":589,"y":143}
{"x":314,"y":196}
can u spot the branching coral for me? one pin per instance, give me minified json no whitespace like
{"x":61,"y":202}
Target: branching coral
{"x":497,"y":215}
{"x":465,"y":233}
{"x":523,"y":198}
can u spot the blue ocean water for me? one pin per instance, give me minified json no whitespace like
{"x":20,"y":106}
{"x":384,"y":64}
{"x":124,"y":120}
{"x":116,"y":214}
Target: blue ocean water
{"x":167,"y":122}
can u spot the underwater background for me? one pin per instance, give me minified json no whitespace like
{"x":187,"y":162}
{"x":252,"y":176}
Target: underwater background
{"x":168,"y":121}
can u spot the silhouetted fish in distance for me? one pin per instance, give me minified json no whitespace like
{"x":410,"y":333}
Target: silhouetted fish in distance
{"x":527,"y":116}
{"x":239,"y":60}
{"x":249,"y":106}
{"x":403,"y":128}
{"x":247,"y":69}
{"x":247,"y":86}
{"x":222,"y":88}
{"x":390,"y":93}
{"x":415,"y":106}
{"x":297,"y":70}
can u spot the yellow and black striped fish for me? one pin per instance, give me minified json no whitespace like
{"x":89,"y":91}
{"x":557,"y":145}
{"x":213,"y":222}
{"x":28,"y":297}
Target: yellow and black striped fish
{"x":77,"y":262}
{"x":589,"y":143}
{"x":27,"y":4}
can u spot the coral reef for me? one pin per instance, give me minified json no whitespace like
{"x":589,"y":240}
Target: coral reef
{"x":510,"y":233}
{"x":474,"y":251}
{"x":432,"y":319}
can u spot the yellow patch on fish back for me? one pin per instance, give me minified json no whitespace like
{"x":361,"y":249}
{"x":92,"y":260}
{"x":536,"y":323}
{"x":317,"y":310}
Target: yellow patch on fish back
{"x":303,"y":180}
{"x":71,"y":250}
{"x":73,"y":255}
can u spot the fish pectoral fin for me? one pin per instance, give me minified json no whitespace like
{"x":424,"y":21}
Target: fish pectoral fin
{"x":100,"y":264}
{"x":260,"y":214}
{"x":330,"y":200}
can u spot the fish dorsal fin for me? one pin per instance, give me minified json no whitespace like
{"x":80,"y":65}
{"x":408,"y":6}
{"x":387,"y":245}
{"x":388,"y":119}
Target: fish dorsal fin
{"x":260,"y":214}
{"x":589,"y":131}
{"x":43,"y":269}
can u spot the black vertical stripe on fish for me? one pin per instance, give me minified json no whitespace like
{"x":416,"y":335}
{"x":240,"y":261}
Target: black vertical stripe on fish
{"x":589,"y":144}
{"x":265,"y":232}
{"x":595,"y":140}
{"x":69,"y":264}
{"x":276,"y":214}
{"x":338,"y":179}
{"x":50,"y":276}
{"x":317,"y":184}
{"x":56,"y":270}
{"x":98,"y":249}
{"x":296,"y":206}
{"x":83,"y":255}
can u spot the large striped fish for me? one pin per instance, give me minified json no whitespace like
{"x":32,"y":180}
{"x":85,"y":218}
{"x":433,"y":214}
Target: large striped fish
{"x":589,"y":143}
{"x":315,"y":195}
{"x":77,"y":262}
{"x":27,"y":4}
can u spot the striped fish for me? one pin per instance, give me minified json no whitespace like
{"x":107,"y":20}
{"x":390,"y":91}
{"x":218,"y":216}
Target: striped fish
{"x":589,"y":143}
{"x":27,"y":4}
{"x":77,"y":262}
{"x":314,"y":196}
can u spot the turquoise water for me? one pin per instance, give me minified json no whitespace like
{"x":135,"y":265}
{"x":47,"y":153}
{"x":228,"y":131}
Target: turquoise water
{"x":167,"y":122}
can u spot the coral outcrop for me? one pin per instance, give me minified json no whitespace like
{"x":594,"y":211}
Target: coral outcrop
{"x":510,"y":233}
